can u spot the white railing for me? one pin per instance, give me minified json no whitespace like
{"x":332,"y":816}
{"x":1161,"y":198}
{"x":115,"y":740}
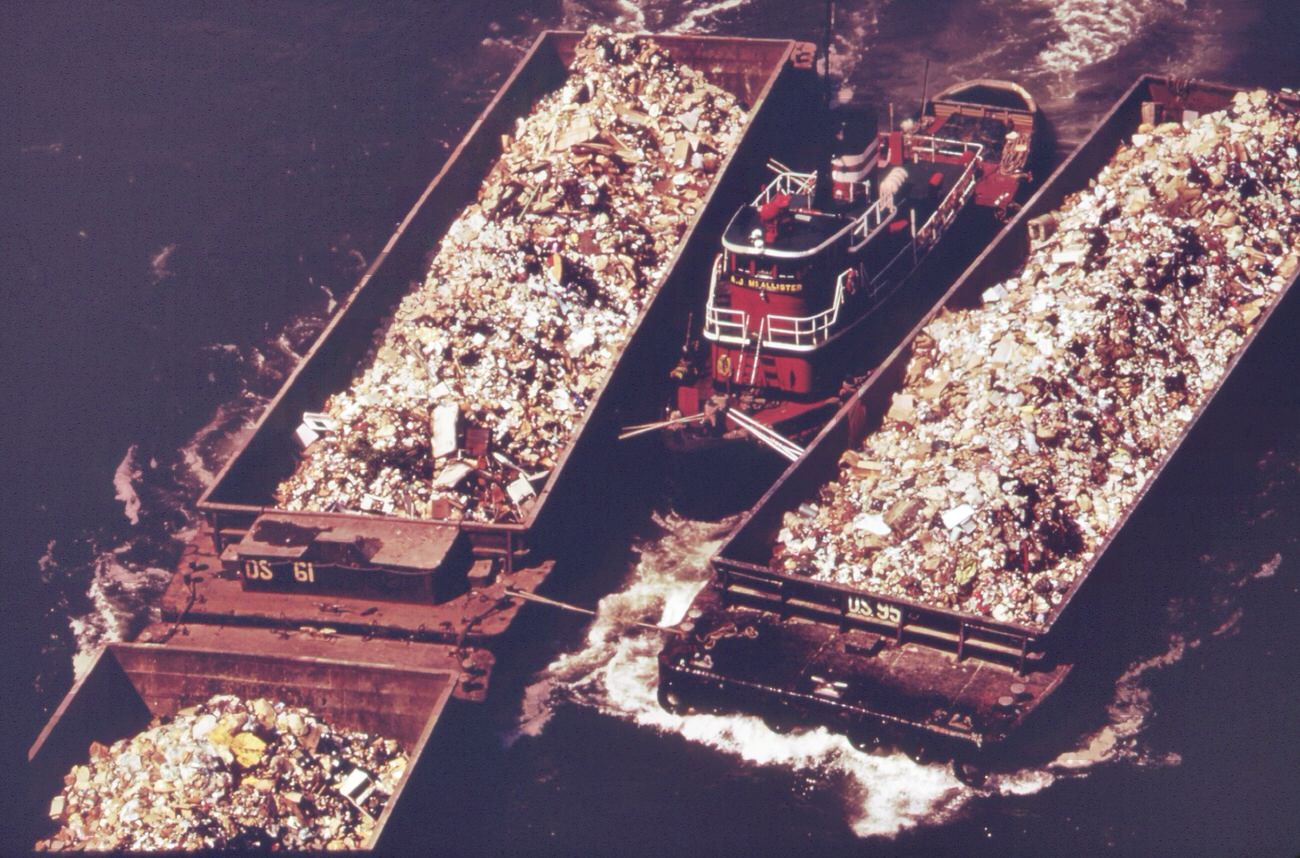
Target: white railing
{"x":936,"y":146}
{"x":758,"y":349}
{"x":723,"y":324}
{"x":802,"y":333}
{"x":788,"y":333}
{"x":787,"y":182}
{"x":938,"y":222}
{"x":929,"y":233}
{"x":870,"y":220}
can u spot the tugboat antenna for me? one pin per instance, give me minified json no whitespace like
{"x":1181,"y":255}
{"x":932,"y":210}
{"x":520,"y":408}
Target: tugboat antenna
{"x":925,"y":87}
{"x":828,"y":33}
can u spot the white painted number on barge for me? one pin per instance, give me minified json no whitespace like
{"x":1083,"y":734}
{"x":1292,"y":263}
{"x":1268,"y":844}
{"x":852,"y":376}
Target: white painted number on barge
{"x":260,"y":570}
{"x":875,"y":610}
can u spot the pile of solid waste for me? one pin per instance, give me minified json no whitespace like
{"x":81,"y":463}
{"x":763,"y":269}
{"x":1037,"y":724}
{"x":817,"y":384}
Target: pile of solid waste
{"x":229,"y":774}
{"x":475,"y":385}
{"x":1026,"y":427}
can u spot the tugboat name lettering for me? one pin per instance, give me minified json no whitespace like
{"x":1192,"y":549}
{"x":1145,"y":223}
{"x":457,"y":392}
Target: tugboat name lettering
{"x":767,"y":284}
{"x":875,"y":610}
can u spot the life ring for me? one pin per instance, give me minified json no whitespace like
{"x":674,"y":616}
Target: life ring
{"x":724,"y":365}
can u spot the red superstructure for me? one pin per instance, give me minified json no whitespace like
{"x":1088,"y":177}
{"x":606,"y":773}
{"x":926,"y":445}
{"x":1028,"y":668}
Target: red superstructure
{"x":809,"y":259}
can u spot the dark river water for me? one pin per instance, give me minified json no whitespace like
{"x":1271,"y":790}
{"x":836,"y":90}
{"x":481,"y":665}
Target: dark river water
{"x":189,"y":187}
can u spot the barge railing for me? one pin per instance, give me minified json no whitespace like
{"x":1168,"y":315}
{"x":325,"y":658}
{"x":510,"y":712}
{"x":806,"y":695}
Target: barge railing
{"x":900,"y":620}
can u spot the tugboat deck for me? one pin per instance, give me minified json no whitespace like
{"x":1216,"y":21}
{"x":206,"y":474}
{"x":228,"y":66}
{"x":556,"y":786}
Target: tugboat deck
{"x":810,"y":227}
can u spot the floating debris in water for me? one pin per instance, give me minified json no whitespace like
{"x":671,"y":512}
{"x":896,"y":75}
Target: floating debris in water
{"x":1026,"y":427}
{"x":493,"y":360}
{"x":229,"y":774}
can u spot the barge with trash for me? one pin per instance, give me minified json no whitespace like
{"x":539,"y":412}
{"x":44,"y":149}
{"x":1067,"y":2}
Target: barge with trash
{"x":910,"y":578}
{"x":794,"y":308}
{"x":362,"y":550}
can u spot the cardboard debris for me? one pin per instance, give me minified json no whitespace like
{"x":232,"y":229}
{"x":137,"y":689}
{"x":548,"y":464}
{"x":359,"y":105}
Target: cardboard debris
{"x":1028,"y":425}
{"x":532,"y":293}
{"x":229,"y":774}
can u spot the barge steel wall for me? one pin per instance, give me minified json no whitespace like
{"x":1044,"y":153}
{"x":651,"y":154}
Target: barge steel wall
{"x":766,"y":74}
{"x":740,"y":566}
{"x":131,"y":684}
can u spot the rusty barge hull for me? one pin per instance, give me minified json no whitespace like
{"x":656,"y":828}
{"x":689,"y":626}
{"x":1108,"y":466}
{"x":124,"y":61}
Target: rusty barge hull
{"x":870,"y":664}
{"x":131,"y":685}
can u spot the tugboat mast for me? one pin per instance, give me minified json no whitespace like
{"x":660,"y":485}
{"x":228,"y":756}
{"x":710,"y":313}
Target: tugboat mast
{"x":828,"y":33}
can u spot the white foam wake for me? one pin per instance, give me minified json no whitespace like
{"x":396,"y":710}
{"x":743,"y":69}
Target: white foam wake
{"x":1131,"y":709}
{"x":855,"y":30}
{"x":208,"y":449}
{"x":124,"y":480}
{"x":699,"y":19}
{"x":1127,"y":716}
{"x":158,"y":263}
{"x":621,"y":15}
{"x":1093,"y":31}
{"x":119,"y":597}
{"x":124,"y":586}
{"x":616,"y":673}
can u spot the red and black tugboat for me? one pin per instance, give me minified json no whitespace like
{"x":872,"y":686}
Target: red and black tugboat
{"x":812,"y":258}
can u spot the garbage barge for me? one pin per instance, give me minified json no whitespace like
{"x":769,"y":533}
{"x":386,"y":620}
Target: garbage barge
{"x":908,"y":578}
{"x":373,"y":616}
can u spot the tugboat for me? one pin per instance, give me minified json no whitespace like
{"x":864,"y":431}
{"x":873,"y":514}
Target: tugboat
{"x":804,"y":266}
